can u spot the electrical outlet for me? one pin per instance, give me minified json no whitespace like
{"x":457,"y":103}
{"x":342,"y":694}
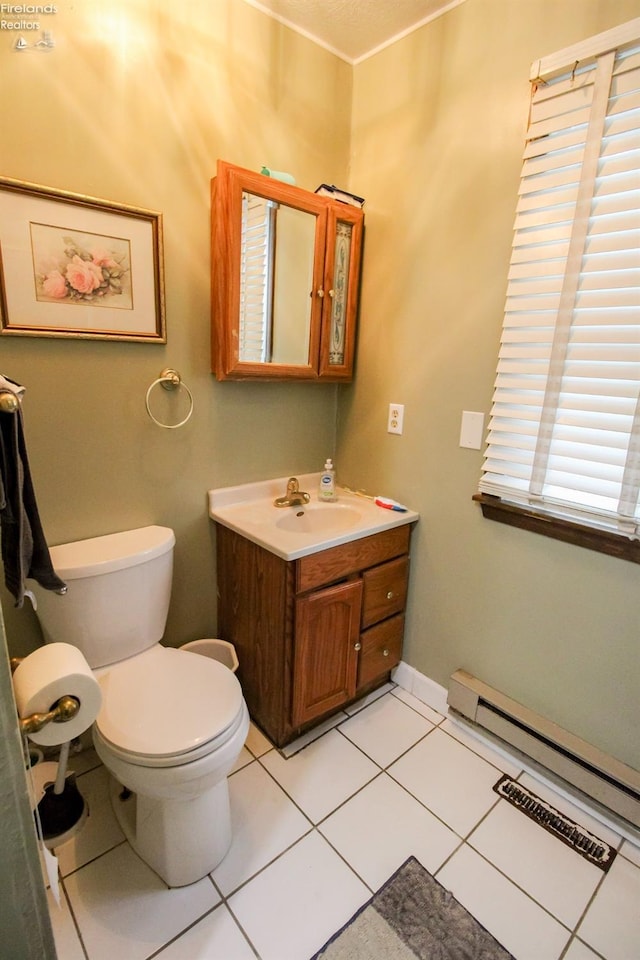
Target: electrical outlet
{"x":396,"y":418}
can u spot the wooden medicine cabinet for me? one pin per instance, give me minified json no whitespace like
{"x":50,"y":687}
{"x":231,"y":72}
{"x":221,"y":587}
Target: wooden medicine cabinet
{"x":285,"y":280}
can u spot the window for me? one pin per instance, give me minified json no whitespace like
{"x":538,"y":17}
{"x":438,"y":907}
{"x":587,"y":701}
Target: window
{"x":564,"y":434}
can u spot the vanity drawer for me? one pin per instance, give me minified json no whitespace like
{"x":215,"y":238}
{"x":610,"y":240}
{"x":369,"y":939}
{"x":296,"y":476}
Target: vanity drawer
{"x":336,"y":563}
{"x":381,"y":649}
{"x":385,"y":590}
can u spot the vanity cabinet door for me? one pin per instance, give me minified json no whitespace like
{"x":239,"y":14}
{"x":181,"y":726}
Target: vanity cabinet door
{"x":326,"y":650}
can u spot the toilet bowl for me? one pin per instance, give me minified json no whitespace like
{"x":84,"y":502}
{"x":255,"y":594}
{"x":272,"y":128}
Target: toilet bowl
{"x":172,"y":724}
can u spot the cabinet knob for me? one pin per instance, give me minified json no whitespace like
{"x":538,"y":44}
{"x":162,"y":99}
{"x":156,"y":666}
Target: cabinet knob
{"x":321,"y":293}
{"x":357,"y":646}
{"x":390,"y":595}
{"x":332,"y":293}
{"x":385,"y":653}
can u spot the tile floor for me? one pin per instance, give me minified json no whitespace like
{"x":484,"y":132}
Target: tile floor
{"x":316,"y":834}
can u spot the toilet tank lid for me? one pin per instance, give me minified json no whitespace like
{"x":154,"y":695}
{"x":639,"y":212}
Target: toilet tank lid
{"x":114,"y":551}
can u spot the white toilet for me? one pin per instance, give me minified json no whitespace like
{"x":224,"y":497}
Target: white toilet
{"x":172,"y":722}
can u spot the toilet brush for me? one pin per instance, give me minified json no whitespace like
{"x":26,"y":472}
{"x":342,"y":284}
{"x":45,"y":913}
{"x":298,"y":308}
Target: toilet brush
{"x":62,"y":807}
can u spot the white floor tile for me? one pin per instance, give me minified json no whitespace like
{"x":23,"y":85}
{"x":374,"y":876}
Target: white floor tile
{"x":418,"y":705}
{"x":292,"y":908}
{"x":84,"y":761}
{"x":379,"y":828}
{"x":498,"y":758}
{"x":264,"y":822}
{"x":215,"y":937}
{"x":612,"y":923}
{"x":100,"y":831}
{"x":579,"y":951}
{"x":386,"y":729}
{"x":68,"y":946}
{"x":244,"y":757}
{"x":323,"y":775}
{"x":452,"y":782}
{"x":631,"y":851}
{"x":312,"y":735}
{"x":522,"y":927}
{"x":256,"y":741}
{"x":291,"y":884}
{"x":369,"y":698}
{"x":547,"y":869}
{"x":124,"y":910}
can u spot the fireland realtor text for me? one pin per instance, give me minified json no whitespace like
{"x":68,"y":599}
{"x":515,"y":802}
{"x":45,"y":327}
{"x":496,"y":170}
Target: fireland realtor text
{"x":24,"y":9}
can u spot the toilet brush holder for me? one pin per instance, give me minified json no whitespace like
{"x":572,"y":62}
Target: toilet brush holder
{"x":62,"y":810}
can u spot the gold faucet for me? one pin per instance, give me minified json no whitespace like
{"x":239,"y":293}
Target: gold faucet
{"x":294,"y":497}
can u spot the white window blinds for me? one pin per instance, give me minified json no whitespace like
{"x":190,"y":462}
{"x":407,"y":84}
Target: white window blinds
{"x":564,"y":434}
{"x":256,"y":278}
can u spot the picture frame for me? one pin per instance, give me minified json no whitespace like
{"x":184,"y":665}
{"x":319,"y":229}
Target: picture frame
{"x":75,"y":266}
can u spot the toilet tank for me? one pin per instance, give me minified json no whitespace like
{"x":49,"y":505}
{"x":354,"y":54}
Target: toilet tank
{"x":118,"y":592}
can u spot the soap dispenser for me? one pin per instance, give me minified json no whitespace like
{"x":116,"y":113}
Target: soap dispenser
{"x":327,"y":487}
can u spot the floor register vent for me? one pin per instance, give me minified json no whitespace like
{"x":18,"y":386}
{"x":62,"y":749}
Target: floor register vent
{"x":590,"y":847}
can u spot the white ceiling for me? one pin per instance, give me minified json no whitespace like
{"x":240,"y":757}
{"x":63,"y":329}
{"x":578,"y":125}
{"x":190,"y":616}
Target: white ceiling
{"x":354,"y":29}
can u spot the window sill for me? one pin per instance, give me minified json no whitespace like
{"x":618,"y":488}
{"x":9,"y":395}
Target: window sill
{"x":615,"y":545}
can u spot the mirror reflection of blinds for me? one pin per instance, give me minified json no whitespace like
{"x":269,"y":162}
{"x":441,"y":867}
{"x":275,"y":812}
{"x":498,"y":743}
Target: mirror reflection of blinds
{"x":564,"y":434}
{"x":256,"y":278}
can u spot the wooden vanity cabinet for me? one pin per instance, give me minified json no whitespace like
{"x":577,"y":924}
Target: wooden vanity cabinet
{"x":313,"y":634}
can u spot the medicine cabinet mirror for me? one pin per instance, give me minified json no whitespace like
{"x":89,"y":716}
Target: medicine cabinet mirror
{"x":285,"y":278}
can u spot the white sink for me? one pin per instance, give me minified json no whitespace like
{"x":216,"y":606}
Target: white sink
{"x":293,"y":532}
{"x":320,"y":518}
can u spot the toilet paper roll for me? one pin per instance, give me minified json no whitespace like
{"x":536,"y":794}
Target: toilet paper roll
{"x":50,"y":672}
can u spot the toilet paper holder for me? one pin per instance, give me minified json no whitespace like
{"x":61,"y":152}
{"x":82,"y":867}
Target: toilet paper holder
{"x":62,"y":710}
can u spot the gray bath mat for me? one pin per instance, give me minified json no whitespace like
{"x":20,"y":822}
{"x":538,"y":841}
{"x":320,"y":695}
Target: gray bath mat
{"x":411,"y":916}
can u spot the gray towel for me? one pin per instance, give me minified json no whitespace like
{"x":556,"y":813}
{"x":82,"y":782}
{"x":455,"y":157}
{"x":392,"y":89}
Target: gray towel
{"x":24,"y":549}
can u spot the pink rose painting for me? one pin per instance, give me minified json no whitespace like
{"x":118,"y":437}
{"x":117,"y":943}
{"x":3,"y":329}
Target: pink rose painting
{"x":81,"y":268}
{"x":54,"y":285}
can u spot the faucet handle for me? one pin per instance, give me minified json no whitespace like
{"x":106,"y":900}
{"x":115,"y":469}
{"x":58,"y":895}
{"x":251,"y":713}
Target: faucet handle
{"x":293,"y":485}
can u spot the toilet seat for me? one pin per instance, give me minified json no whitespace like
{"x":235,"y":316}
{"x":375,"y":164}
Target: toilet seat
{"x":167,"y":707}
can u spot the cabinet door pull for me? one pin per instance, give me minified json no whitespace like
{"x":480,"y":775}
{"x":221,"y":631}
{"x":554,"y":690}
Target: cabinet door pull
{"x":390,"y":595}
{"x":385,"y":653}
{"x":357,"y":646}
{"x":321,"y":293}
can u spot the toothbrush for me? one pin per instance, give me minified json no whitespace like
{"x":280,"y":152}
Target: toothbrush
{"x":389,"y":504}
{"x":379,"y":501}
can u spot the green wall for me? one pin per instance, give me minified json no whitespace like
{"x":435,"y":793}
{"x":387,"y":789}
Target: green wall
{"x":135,"y":104}
{"x":437,"y":136}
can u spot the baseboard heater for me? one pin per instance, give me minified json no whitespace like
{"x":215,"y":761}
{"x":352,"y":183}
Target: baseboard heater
{"x":608,"y":781}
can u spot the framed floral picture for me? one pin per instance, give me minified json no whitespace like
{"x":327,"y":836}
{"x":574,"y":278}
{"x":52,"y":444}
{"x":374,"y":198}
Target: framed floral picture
{"x":74,"y":266}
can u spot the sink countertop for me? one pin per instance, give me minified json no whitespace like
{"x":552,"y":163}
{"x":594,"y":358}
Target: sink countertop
{"x":248,"y":510}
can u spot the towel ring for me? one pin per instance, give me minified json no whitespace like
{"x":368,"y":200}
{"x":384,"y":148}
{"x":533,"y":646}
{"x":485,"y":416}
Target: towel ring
{"x":170,"y":380}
